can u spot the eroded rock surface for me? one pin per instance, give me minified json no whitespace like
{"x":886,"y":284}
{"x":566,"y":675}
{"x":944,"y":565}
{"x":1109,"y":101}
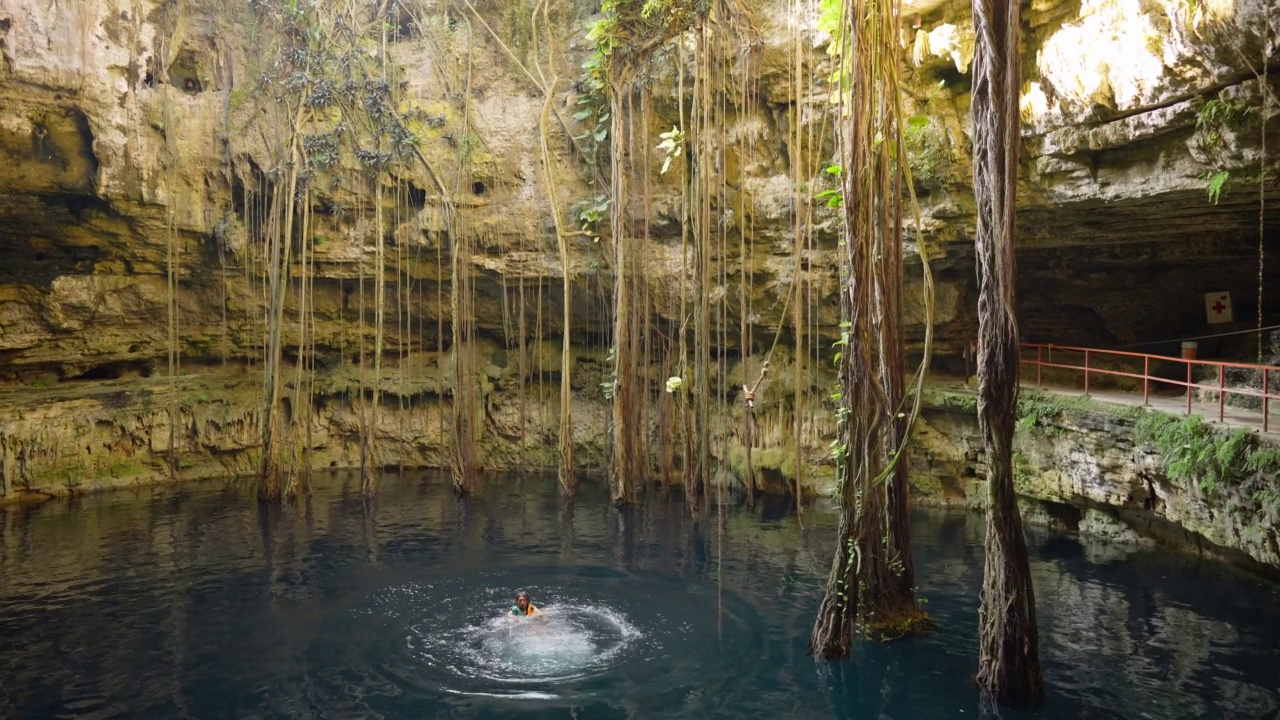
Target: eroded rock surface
{"x":1082,"y":471}
{"x":129,"y":148}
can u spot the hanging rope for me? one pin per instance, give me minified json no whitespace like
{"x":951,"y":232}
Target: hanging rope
{"x":1260,"y":329}
{"x":1265,"y":86}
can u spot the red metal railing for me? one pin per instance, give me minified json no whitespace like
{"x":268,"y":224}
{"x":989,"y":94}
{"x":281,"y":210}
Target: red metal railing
{"x":1045,"y":358}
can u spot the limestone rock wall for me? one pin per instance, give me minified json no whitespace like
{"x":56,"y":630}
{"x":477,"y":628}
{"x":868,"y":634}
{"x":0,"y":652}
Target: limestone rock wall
{"x":119,"y":434}
{"x":127,"y":131}
{"x":131,"y":136}
{"x":1083,"y":471}
{"x":1130,"y":110}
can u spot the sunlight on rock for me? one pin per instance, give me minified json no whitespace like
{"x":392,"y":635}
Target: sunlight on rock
{"x":1111,"y":58}
{"x":946,"y":41}
{"x":1209,"y":11}
{"x":1034,"y":103}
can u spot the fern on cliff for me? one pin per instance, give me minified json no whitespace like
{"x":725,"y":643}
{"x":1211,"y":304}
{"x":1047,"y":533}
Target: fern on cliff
{"x":1193,"y":450}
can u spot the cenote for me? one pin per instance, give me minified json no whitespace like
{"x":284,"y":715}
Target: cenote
{"x":196,"y":601}
{"x":801,"y":358}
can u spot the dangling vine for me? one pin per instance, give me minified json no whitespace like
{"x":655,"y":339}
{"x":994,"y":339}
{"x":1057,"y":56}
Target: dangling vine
{"x":331,"y":85}
{"x":541,"y":22}
{"x":628,"y":35}
{"x":872,"y":579}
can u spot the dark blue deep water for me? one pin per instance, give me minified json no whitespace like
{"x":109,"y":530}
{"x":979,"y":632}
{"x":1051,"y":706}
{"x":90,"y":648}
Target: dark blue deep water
{"x":193,"y":602}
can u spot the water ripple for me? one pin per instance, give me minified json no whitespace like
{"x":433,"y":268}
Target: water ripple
{"x":597,"y":631}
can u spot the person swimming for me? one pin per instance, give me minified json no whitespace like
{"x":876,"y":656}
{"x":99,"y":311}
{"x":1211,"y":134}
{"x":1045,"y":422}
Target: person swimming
{"x":523,"y":608}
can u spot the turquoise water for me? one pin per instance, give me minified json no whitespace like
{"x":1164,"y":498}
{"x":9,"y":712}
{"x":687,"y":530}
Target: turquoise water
{"x":194,"y":602}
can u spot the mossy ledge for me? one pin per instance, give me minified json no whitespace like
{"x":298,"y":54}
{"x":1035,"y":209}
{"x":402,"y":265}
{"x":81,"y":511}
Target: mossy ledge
{"x":1126,"y":473}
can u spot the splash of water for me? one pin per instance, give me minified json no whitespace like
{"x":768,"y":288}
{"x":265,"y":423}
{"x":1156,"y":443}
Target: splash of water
{"x":599,"y":635}
{"x":563,"y":643}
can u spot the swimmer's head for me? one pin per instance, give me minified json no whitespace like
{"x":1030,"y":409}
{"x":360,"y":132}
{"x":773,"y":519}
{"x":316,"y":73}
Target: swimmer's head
{"x":522,"y":601}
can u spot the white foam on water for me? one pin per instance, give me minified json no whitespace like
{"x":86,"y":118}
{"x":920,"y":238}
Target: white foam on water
{"x":545,"y":644}
{"x":561,"y":643}
{"x":507,"y":696}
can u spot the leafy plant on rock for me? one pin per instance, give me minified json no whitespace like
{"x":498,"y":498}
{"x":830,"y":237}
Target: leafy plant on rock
{"x":1194,"y":451}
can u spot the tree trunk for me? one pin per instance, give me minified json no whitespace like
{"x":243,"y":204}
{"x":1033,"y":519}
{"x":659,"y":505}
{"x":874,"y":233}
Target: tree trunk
{"x":1008,"y":660}
{"x":872,"y":580}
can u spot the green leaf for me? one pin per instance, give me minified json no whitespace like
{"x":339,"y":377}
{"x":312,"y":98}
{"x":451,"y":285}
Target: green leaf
{"x":917,"y":121}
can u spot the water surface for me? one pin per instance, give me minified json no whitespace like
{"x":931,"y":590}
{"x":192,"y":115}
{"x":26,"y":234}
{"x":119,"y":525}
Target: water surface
{"x":195,"y":602}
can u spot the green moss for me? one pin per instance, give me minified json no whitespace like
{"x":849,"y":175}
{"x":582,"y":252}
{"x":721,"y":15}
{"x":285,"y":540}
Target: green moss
{"x":1039,"y":409}
{"x":1155,"y":43}
{"x":1036,"y":408}
{"x":781,"y":460}
{"x":958,"y":401}
{"x":75,"y":473}
{"x":926,"y":484}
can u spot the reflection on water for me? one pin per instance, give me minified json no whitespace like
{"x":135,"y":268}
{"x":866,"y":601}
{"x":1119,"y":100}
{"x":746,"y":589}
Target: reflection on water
{"x":193,"y":601}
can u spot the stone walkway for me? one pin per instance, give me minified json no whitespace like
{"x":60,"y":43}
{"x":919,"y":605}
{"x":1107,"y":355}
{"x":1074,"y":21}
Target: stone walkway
{"x":1232,"y":417}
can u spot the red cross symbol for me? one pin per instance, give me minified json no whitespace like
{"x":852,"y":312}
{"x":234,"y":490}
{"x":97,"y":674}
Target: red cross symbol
{"x":1219,"y":308}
